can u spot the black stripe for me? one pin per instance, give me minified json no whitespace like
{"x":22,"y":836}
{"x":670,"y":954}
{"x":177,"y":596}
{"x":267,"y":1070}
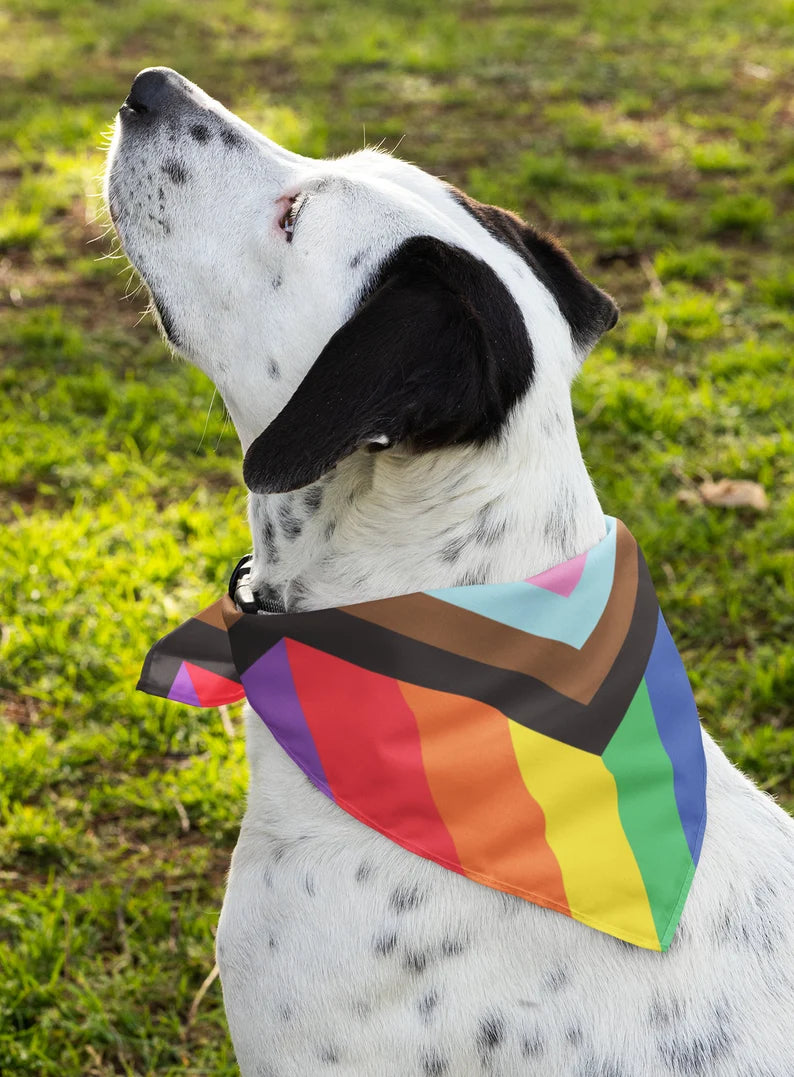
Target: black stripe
{"x":194,"y":641}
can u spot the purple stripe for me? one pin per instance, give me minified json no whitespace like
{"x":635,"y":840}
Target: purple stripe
{"x":679,"y":730}
{"x":270,"y":689}
{"x":182,"y":689}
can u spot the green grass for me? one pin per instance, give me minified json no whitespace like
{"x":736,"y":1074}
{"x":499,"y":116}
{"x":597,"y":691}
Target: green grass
{"x":655,"y":138}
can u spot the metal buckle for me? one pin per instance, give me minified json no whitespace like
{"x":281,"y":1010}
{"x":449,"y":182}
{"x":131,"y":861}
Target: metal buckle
{"x":240,"y":591}
{"x":244,"y":596}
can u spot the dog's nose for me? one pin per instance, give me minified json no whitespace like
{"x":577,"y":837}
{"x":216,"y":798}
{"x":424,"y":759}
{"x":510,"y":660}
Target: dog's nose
{"x":153,"y":89}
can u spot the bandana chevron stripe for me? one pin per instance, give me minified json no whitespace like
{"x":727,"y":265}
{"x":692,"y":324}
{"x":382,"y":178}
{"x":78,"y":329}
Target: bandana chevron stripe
{"x":538,"y":737}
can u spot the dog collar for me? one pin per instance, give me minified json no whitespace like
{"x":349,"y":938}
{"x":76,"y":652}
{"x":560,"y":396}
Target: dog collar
{"x":538,"y":737}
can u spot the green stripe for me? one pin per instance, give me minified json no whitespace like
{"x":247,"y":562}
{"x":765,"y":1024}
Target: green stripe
{"x":648,"y":812}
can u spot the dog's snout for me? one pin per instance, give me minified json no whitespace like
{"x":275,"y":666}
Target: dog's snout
{"x":153,"y":90}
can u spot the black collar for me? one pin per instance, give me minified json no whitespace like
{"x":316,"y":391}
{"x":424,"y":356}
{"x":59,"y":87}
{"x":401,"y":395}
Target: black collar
{"x":245,"y":597}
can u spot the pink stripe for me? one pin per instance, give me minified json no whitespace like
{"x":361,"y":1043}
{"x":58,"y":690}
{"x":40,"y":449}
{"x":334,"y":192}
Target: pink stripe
{"x":561,"y":579}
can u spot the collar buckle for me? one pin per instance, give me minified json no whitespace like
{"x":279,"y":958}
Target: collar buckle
{"x":244,"y":596}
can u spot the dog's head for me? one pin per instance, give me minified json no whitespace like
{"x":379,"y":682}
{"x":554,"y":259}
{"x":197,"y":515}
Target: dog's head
{"x":337,"y":305}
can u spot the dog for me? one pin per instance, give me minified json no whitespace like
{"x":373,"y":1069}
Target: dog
{"x":397,"y":361}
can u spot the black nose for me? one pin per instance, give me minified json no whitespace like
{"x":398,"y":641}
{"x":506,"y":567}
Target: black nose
{"x":153,"y":90}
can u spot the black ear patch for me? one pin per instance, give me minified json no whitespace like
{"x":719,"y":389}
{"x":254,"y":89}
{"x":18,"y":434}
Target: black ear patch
{"x":436,"y":354}
{"x":589,"y":311}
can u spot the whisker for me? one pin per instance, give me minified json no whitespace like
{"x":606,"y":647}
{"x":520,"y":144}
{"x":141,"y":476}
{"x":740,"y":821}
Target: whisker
{"x":207,"y":419}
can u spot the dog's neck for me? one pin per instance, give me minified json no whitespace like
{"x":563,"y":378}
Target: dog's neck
{"x":390,"y":523}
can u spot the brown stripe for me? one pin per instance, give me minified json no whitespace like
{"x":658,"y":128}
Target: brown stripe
{"x":213,"y":615}
{"x":577,"y":673}
{"x":229,"y":612}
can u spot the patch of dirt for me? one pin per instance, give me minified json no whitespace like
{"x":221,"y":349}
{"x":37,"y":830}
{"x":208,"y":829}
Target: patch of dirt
{"x":19,"y":709}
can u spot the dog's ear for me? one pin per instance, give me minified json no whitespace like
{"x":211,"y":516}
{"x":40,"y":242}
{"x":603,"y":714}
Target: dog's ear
{"x":589,"y":311}
{"x":436,"y":354}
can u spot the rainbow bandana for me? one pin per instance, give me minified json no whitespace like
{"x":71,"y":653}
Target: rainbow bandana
{"x":538,"y":737}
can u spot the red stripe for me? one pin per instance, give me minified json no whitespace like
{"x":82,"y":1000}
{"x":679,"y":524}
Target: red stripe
{"x":212,"y":689}
{"x":368,"y":742}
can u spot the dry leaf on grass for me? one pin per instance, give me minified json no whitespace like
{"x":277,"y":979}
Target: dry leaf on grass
{"x":728,"y":493}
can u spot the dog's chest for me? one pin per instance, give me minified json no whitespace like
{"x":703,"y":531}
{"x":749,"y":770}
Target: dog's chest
{"x":338,"y":949}
{"x":338,"y":943}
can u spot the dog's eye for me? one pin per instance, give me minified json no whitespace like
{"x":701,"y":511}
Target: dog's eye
{"x":290,"y":218}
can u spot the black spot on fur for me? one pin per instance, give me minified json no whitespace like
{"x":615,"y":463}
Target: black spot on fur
{"x":273,"y":370}
{"x":452,"y":947}
{"x":271,"y":942}
{"x":312,"y":499}
{"x":452,"y":551}
{"x":665,"y":1013}
{"x":470,"y":579}
{"x":415,"y":961}
{"x":433,"y":1064}
{"x":427,"y":1004}
{"x":285,"y":1011}
{"x":688,"y":1056}
{"x":754,"y":926}
{"x":385,"y":943}
{"x":363,"y":871}
{"x":291,"y":526}
{"x":555,"y":979}
{"x":488,"y":526}
{"x":405,"y":898}
{"x":588,"y":311}
{"x":231,"y":138}
{"x":330,"y":1055}
{"x":200,"y":132}
{"x":277,"y":282}
{"x":355,"y":261}
{"x":532,"y":1045}
{"x":269,"y":534}
{"x":175,"y":171}
{"x":330,"y":527}
{"x":490,"y":1034}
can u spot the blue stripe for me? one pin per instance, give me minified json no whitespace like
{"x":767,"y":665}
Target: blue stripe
{"x":534,"y":609}
{"x":676,"y":717}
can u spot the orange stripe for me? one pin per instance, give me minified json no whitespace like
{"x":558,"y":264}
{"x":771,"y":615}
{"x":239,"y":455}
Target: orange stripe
{"x":469,"y":759}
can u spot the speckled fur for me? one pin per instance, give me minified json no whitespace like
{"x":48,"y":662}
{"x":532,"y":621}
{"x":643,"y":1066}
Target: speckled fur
{"x":340,"y":952}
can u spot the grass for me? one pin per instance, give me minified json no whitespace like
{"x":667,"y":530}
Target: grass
{"x":655,"y":138}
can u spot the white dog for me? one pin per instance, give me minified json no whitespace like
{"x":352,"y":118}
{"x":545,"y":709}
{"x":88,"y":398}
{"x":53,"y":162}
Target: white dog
{"x":340,"y":951}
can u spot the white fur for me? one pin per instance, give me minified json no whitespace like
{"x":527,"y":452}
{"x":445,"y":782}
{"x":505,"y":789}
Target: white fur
{"x":339,"y":951}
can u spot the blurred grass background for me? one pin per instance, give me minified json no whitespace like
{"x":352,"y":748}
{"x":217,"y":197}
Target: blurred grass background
{"x":656,"y":137}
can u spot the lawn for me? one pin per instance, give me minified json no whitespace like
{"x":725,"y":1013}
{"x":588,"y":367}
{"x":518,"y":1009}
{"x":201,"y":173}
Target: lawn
{"x":656,"y":137}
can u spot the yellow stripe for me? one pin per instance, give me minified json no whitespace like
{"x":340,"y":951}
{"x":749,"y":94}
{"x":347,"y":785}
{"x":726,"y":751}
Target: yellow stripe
{"x":579,"y":798}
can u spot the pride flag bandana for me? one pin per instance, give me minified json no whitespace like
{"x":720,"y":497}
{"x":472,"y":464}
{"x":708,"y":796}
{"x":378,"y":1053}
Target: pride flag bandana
{"x":538,"y":737}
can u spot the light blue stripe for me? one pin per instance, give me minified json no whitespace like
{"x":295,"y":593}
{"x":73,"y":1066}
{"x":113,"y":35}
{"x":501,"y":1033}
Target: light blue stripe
{"x":534,"y":609}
